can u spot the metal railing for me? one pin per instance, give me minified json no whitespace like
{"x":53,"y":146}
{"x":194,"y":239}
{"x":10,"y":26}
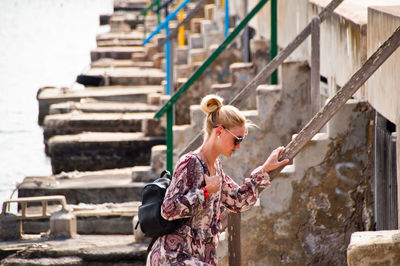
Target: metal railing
{"x":274,"y":64}
{"x":168,"y":107}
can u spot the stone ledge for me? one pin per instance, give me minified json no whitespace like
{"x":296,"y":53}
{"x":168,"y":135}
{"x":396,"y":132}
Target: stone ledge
{"x":374,"y":248}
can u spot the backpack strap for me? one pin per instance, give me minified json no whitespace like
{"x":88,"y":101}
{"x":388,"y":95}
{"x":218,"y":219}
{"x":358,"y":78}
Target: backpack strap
{"x":205,"y":168}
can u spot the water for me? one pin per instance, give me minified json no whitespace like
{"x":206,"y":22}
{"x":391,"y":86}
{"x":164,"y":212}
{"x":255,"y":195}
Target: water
{"x":42,"y":43}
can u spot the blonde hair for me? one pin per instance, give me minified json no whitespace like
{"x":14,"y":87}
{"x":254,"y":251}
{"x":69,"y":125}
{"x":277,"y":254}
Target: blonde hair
{"x":218,"y":114}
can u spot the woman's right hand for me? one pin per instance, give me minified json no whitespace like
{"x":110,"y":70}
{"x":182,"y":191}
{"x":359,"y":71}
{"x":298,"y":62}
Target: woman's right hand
{"x":213,"y":183}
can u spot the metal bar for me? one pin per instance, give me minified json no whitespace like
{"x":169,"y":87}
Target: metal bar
{"x":268,"y":69}
{"x":181,"y":38}
{"x":315,"y":66}
{"x":166,"y":20}
{"x":191,"y":14}
{"x":341,"y":97}
{"x":209,"y":60}
{"x":246,"y":39}
{"x":170,"y":114}
{"x":274,"y":38}
{"x":226,"y":18}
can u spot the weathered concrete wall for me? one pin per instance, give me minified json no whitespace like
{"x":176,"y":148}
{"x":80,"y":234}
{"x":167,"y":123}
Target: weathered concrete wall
{"x":309,"y":213}
{"x":382,"y":89}
{"x":374,"y":248}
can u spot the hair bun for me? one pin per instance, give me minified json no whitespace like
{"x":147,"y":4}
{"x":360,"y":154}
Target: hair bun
{"x":211,"y":103}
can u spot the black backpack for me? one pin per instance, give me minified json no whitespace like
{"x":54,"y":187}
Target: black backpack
{"x":150,"y":219}
{"x":151,"y":222}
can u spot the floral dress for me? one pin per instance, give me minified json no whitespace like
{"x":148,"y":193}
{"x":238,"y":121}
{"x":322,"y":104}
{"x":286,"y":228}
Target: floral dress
{"x":195,"y":242}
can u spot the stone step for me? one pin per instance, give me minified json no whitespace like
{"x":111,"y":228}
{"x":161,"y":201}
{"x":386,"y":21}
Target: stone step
{"x":100,"y":219}
{"x":120,"y":36}
{"x":93,"y":106}
{"x":124,"y":21}
{"x":129,"y":5}
{"x":50,"y":95}
{"x":77,"y":122}
{"x":96,"y":151}
{"x":118,"y":42}
{"x":122,"y":52}
{"x":92,"y":187}
{"x":81,"y":250}
{"x":124,"y":76}
{"x":109,"y":62}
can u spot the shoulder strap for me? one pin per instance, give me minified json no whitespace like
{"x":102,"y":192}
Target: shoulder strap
{"x":205,"y":168}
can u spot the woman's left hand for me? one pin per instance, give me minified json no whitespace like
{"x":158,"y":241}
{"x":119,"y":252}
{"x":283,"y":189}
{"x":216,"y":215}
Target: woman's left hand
{"x":272,"y":162}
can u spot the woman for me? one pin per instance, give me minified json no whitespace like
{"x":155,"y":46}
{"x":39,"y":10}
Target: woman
{"x":199,"y":196}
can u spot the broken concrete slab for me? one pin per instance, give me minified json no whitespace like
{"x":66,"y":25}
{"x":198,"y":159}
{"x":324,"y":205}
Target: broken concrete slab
{"x":109,"y":62}
{"x":124,"y":76}
{"x":122,"y":52}
{"x":77,"y":122}
{"x":89,"y":249}
{"x":50,"y":95}
{"x":109,"y":36}
{"x":95,"y":150}
{"x":93,"y":106}
{"x":93,"y":187}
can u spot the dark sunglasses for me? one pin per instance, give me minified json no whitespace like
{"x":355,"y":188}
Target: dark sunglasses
{"x":237,"y":140}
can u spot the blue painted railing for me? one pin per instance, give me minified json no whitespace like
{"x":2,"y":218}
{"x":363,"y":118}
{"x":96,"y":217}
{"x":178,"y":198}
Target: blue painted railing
{"x":226,"y":2}
{"x":165,"y":22}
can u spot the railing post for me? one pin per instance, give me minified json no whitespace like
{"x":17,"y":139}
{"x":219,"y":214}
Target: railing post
{"x":234,"y":246}
{"x":168,"y":90}
{"x":159,"y":13}
{"x":226,"y":2}
{"x":315,"y":66}
{"x":181,"y":36}
{"x":274,"y":38}
{"x":245,"y":38}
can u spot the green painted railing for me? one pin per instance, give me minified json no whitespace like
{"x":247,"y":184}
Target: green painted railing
{"x":274,"y":37}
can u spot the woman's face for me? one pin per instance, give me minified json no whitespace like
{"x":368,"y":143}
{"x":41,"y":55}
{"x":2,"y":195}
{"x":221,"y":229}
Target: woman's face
{"x":231,"y":139}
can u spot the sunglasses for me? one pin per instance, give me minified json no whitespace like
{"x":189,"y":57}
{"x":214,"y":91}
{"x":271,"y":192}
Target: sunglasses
{"x":237,"y":140}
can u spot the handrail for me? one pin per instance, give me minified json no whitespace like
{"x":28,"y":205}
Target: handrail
{"x":271,"y":66}
{"x":164,"y":5}
{"x":165,"y":22}
{"x":209,"y":60}
{"x":174,"y":32}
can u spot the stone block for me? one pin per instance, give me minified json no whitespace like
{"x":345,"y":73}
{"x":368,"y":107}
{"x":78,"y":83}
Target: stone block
{"x":212,"y":38}
{"x":182,"y":53}
{"x":195,"y":41}
{"x":10,"y":228}
{"x":153,"y":98}
{"x":374,"y":248}
{"x":153,"y":127}
{"x":197,"y":55}
{"x":197,"y":116}
{"x":224,"y":90}
{"x":195,"y":25}
{"x":209,"y":11}
{"x":158,"y":158}
{"x":63,"y":224}
{"x":207,"y":26}
{"x":182,"y":71}
{"x":267,"y":96}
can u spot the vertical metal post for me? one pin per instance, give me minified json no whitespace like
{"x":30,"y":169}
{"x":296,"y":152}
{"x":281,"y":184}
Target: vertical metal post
{"x":234,"y":247}
{"x":181,"y":35}
{"x":226,"y":18}
{"x":170,"y":112}
{"x":315,"y":66}
{"x":159,"y":12}
{"x":246,"y":50}
{"x":274,"y":38}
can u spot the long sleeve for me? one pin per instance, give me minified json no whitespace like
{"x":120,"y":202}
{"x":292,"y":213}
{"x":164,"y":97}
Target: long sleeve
{"x":184,"y":196}
{"x":241,"y":198}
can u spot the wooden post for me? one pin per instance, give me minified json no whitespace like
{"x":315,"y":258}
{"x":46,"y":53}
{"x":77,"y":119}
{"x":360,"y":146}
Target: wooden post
{"x":315,"y":94}
{"x":234,"y":247}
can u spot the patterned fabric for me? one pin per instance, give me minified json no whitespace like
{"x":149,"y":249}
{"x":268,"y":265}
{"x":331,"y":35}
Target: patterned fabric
{"x":196,"y":241}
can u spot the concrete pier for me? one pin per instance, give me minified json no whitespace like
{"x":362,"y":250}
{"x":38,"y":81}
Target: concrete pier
{"x":96,"y":150}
